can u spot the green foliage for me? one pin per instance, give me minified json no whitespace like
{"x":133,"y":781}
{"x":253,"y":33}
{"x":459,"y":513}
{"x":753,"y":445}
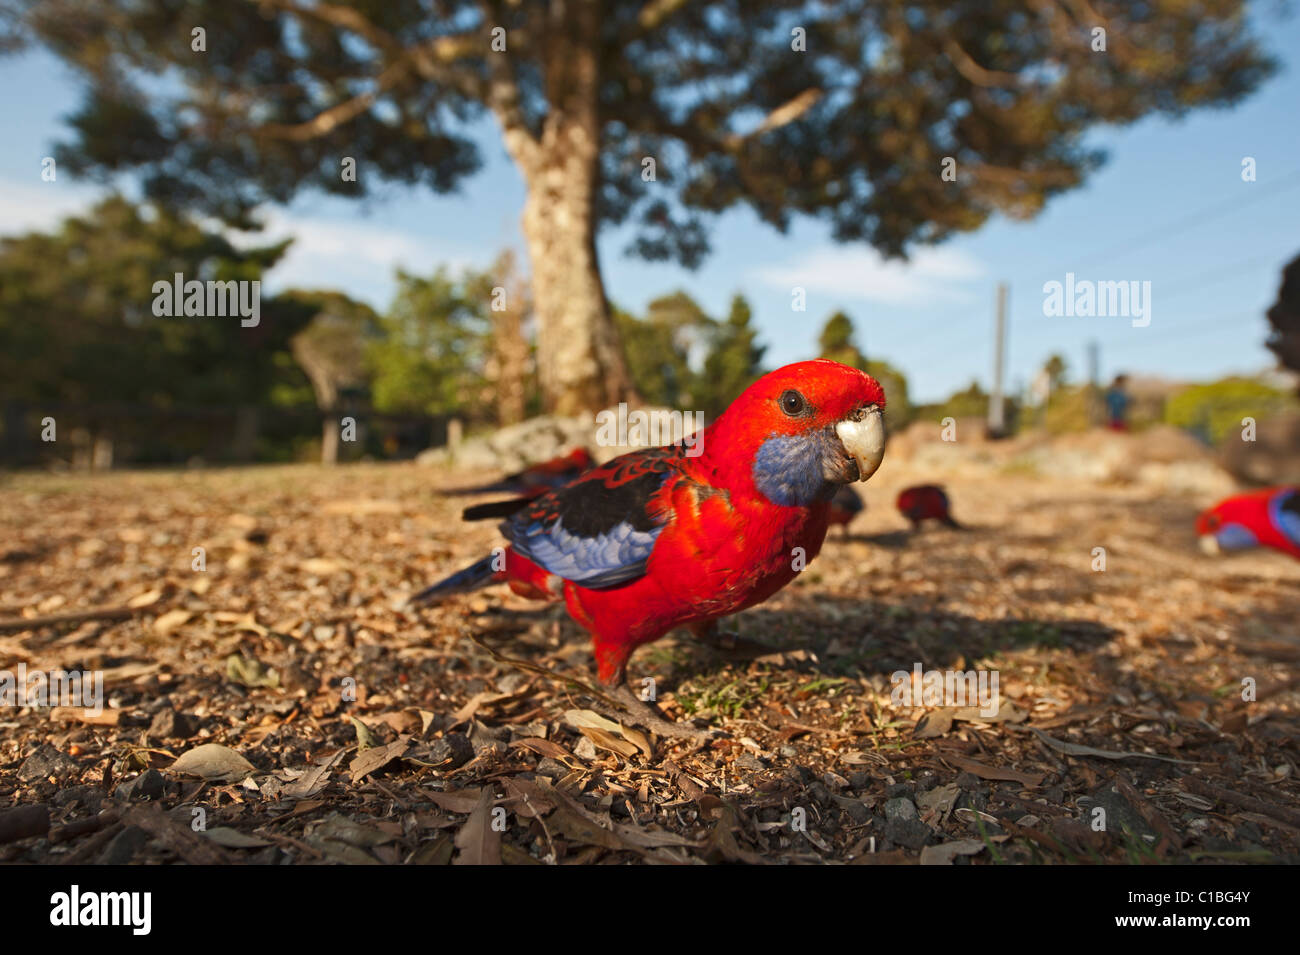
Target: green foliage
{"x":1212,"y":411}
{"x":680,"y":357}
{"x":1071,"y":410}
{"x":733,"y":363}
{"x":434,"y":345}
{"x":77,"y":322}
{"x":859,"y":124}
{"x":837,"y":343}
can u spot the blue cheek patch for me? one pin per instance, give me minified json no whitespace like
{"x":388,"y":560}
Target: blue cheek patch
{"x":1235,"y":537}
{"x":788,"y":470}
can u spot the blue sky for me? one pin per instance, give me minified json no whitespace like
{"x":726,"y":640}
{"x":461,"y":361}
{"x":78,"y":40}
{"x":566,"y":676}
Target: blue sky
{"x":1169,"y":207}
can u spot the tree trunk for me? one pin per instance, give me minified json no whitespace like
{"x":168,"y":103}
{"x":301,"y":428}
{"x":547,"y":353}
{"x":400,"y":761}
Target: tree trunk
{"x":579,"y":356}
{"x":329,"y":443}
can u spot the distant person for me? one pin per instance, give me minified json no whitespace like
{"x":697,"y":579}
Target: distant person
{"x":1117,"y":404}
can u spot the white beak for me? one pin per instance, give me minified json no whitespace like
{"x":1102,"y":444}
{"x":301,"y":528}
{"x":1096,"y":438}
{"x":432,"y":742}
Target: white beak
{"x":1210,"y":544}
{"x":864,"y":440}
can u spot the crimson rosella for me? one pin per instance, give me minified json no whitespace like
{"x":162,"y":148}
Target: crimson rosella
{"x":689,"y":533}
{"x":846,"y":505}
{"x":1266,"y":518}
{"x":926,"y":502}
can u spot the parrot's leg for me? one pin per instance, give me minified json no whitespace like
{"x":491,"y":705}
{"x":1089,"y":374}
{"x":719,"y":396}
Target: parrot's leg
{"x":646,"y":715}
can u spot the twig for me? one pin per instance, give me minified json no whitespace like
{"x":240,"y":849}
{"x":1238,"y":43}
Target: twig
{"x":79,"y":616}
{"x":1211,"y":791}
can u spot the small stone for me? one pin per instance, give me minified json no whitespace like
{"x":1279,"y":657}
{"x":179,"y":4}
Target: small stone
{"x":148,"y":785}
{"x":451,"y":751}
{"x":898,"y":790}
{"x":551,"y":768}
{"x":46,"y":761}
{"x":124,"y":846}
{"x":585,"y":749}
{"x":899,"y":808}
{"x":168,"y":724}
{"x":746,"y":762}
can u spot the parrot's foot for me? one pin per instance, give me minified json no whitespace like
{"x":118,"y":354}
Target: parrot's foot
{"x":643,"y":714}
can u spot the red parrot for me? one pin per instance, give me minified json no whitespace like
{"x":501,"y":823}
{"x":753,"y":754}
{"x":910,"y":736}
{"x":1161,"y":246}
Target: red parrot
{"x":926,"y":502}
{"x":846,"y":505}
{"x":675,"y":536}
{"x":538,"y":478}
{"x":1266,"y":518}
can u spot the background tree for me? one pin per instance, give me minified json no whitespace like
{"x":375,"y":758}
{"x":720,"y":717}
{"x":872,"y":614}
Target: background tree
{"x":77,"y":326}
{"x":733,"y":362}
{"x":837,"y":343}
{"x":660,"y":348}
{"x":1285,"y":318}
{"x":436,"y":338}
{"x":508,"y":371}
{"x":847,"y":110}
{"x":331,"y":351}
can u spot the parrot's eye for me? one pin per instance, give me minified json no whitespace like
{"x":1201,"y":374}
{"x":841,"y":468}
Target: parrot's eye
{"x":1212,"y":521}
{"x":793,"y":403}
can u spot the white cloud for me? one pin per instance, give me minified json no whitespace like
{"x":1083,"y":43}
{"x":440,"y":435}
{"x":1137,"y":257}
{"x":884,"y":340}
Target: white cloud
{"x":41,"y":206}
{"x":358,"y":257}
{"x":931,"y":276}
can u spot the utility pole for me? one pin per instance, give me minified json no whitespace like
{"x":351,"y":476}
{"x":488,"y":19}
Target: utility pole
{"x":997,"y":410}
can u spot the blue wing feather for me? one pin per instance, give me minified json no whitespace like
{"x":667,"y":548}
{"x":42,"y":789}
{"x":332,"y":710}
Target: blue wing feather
{"x":599,"y":530}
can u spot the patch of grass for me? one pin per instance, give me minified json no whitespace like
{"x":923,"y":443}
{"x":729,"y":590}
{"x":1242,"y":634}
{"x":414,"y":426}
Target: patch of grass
{"x":724,"y":695}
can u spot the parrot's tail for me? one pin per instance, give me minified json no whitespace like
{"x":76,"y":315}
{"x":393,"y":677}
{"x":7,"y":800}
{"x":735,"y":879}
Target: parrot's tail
{"x":476,"y":575}
{"x":951,"y":522}
{"x":483,"y":512}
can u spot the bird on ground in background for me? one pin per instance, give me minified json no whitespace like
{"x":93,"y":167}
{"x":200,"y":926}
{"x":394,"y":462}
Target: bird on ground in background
{"x":684,"y":535}
{"x":925,"y":502}
{"x":846,"y":505}
{"x":1264,"y":518}
{"x":536,"y":479}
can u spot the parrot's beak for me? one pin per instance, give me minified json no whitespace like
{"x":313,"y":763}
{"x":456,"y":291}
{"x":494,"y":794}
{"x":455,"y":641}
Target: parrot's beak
{"x":863,"y":437}
{"x":1210,"y":545}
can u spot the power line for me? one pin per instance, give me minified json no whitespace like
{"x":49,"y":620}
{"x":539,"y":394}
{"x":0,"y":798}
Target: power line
{"x":1214,"y":211}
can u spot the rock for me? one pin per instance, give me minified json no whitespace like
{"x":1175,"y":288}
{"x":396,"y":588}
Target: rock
{"x":168,"y":724}
{"x":124,"y":846}
{"x":148,"y":785}
{"x":585,"y":748}
{"x":1272,"y":458}
{"x":747,"y":762}
{"x":88,"y":797}
{"x":551,"y":768}
{"x":903,"y":826}
{"x":46,"y":761}
{"x":899,"y":808}
{"x":451,"y":751}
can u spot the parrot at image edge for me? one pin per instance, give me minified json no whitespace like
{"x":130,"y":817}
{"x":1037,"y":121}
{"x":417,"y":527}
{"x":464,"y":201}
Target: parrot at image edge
{"x":926,"y":502}
{"x":681,"y":536}
{"x":1266,"y":518}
